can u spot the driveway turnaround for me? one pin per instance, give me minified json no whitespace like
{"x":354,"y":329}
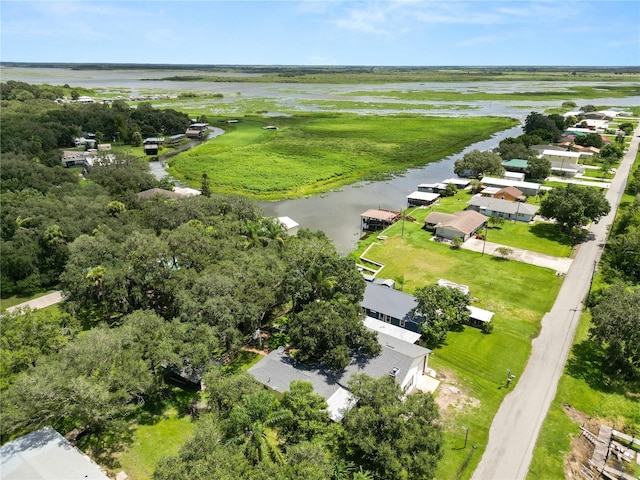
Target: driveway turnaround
{"x":40,"y":302}
{"x":516,"y":426}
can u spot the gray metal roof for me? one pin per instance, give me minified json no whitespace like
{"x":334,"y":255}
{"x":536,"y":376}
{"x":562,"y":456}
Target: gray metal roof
{"x":46,"y":455}
{"x":389,"y":301}
{"x":277,"y":371}
{"x":504,"y":206}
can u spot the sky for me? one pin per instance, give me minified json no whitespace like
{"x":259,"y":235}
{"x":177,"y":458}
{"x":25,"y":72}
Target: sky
{"x":330,"y":32}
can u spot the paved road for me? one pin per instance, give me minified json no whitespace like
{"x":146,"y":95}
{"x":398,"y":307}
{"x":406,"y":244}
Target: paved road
{"x":40,"y":302}
{"x":559,"y":264}
{"x":515,"y":428}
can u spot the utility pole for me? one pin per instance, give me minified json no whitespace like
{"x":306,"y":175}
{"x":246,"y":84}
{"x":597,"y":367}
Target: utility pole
{"x":484,"y":242}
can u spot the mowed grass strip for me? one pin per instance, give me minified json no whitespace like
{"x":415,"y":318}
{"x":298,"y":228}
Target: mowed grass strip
{"x":314,"y":153}
{"x":473,"y":363}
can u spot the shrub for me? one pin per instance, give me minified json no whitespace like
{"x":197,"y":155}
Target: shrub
{"x":487,"y":327}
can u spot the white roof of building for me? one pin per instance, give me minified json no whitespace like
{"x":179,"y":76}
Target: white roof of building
{"x":288,"y":223}
{"x":340,"y":403}
{"x":560,"y":153}
{"x":391,"y":330}
{"x":460,"y":182}
{"x":480,"y":314}
{"x":424,"y":196}
{"x":46,"y":455}
{"x":513,"y":175}
{"x":490,"y":190}
{"x":503,"y":182}
{"x":186,"y":191}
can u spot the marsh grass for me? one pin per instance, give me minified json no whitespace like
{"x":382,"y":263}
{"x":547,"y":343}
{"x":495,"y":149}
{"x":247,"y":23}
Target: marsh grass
{"x":315,"y":153}
{"x":573,"y":92}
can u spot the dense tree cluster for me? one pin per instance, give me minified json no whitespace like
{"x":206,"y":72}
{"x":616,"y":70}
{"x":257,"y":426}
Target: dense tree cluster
{"x":443,"y":309}
{"x":35,"y":126}
{"x":477,"y":164}
{"x":163,"y":286}
{"x":250,"y":434}
{"x":574,"y":206}
{"x":615,"y":320}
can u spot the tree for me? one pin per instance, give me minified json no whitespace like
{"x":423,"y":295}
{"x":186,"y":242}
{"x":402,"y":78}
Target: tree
{"x":538,"y":168}
{"x":391,"y":436}
{"x":612,"y":152}
{"x":477,"y":164}
{"x":590,"y":140}
{"x":574,"y":207}
{"x":615,"y":321}
{"x":205,"y":187}
{"x":450,"y":191}
{"x":136,"y":139}
{"x":28,"y":335}
{"x":511,"y":148}
{"x":504,"y":252}
{"x":495,"y":221}
{"x":443,"y":309}
{"x":330,"y":332}
{"x":309,"y":417}
{"x":542,"y":125}
{"x":95,"y":383}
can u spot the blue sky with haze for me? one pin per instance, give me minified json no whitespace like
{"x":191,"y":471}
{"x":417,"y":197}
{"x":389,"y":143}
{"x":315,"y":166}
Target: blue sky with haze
{"x":329,"y":32}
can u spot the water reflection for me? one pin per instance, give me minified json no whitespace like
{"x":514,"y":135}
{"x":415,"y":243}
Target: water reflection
{"x":338,"y":213}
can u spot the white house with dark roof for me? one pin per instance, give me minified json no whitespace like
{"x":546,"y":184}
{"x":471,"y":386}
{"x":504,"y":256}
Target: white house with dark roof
{"x":489,"y":206}
{"x":403,"y":361}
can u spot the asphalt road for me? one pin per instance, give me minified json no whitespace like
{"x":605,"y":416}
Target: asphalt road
{"x":516,"y":426}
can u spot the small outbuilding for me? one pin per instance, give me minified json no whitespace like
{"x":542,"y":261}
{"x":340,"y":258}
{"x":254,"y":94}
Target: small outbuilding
{"x":378,"y":219}
{"x":422,"y":198}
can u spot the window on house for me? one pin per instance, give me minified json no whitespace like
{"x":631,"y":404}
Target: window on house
{"x":402,"y":323}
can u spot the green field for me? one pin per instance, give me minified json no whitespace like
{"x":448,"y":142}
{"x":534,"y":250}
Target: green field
{"x":473,"y":363}
{"x":577,"y":92}
{"x":360,"y":75}
{"x":314,"y":153}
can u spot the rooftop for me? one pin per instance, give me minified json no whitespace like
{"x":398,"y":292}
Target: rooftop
{"x":504,"y":206}
{"x":46,"y":455}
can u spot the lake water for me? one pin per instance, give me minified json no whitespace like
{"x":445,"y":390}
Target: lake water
{"x":336,"y":213}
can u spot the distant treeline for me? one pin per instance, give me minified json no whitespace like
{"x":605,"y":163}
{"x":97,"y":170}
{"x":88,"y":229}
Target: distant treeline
{"x":321,"y":69}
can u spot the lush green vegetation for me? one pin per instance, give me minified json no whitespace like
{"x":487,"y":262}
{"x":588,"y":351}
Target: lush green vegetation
{"x":473,"y":362}
{"x":364,"y":74}
{"x":575,"y":92}
{"x":312,"y":153}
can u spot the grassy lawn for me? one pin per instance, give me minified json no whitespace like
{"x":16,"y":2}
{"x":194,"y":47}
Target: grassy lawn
{"x":157,"y":435}
{"x":314,"y":153}
{"x":153,"y":442}
{"x":580,"y":387}
{"x":473,"y":362}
